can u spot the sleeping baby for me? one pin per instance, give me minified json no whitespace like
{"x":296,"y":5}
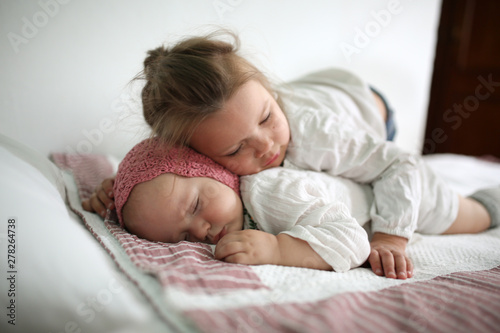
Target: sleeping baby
{"x":284,"y":216}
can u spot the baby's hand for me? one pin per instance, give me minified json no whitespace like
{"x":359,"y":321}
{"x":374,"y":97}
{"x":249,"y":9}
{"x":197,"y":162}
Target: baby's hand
{"x":388,"y":256}
{"x":249,"y":247}
{"x":101,"y":199}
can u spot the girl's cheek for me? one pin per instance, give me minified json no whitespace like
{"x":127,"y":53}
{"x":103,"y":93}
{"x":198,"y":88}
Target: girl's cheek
{"x":235,"y":165}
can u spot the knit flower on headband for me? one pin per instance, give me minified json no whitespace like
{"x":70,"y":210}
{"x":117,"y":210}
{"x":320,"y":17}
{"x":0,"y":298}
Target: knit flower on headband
{"x":149,"y":159}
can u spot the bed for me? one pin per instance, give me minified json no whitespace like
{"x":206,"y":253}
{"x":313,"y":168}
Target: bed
{"x":70,"y":271}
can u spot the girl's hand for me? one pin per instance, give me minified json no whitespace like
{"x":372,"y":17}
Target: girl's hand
{"x":249,"y":247}
{"x":101,"y":199}
{"x":388,"y":256}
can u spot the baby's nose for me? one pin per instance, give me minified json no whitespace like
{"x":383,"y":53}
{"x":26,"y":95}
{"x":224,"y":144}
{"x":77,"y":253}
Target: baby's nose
{"x":200,"y":232}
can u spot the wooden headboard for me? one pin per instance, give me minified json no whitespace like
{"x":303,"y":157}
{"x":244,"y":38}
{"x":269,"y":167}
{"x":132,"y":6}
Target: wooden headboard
{"x":464,"y":105}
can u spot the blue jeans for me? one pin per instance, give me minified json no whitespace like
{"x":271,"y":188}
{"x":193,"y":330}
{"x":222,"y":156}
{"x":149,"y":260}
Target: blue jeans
{"x":390,"y":125}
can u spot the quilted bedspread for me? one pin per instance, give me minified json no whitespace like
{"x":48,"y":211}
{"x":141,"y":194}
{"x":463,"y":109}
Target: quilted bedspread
{"x":456,"y":287}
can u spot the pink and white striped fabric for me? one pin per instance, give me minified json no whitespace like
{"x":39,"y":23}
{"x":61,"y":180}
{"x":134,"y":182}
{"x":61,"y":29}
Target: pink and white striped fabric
{"x":459,"y":302}
{"x":188,"y":266}
{"x":185,"y":265}
{"x":89,"y":170}
{"x":222,"y":297}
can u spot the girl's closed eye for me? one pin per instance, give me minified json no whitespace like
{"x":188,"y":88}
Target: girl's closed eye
{"x":235,"y":152}
{"x":266,"y":119}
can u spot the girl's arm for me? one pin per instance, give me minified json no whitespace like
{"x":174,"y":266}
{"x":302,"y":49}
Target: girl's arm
{"x":336,"y":128}
{"x":388,"y":256}
{"x":395,"y":178}
{"x":393,"y":174}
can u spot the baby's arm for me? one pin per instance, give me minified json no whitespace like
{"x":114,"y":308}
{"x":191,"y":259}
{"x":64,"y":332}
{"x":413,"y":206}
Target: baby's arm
{"x":102,"y":198}
{"x":254,"y":247}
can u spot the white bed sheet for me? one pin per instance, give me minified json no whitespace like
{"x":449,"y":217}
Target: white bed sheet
{"x":65,"y":280}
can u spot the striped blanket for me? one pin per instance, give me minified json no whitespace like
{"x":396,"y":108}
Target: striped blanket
{"x":456,"y":287}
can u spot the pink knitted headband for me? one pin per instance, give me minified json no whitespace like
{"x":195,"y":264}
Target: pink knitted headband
{"x":149,"y":159}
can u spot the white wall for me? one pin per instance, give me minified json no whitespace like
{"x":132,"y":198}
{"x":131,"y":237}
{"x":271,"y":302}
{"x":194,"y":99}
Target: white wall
{"x":66,"y":63}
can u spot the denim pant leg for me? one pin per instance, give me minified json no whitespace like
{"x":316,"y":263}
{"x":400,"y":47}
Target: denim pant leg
{"x":390,"y":124}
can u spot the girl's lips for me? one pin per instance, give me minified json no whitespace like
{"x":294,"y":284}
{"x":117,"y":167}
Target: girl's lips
{"x":221,"y":234}
{"x":274,"y":158}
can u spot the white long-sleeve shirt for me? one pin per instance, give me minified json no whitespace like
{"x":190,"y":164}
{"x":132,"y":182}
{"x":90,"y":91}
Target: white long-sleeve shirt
{"x":336,"y":128}
{"x":329,"y":212}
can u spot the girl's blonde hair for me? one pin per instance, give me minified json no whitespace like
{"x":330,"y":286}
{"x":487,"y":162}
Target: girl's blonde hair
{"x":191,"y":80}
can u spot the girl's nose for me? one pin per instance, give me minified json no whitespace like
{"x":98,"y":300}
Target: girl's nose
{"x":262,"y":146}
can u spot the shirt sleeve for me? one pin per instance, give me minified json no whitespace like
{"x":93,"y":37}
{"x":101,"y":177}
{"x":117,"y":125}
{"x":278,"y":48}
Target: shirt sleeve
{"x":328,"y":137}
{"x":281,"y":202}
{"x":392,"y":173}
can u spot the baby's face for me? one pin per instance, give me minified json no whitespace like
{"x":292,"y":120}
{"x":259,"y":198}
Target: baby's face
{"x":248,"y":135}
{"x":171,"y":208}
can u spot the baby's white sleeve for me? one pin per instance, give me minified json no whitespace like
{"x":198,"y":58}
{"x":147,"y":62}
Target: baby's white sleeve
{"x":334,"y":235}
{"x":287,"y":203}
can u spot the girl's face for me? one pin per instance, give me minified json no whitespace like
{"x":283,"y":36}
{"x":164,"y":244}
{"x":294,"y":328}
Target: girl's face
{"x":248,"y":135}
{"x":171,"y":208}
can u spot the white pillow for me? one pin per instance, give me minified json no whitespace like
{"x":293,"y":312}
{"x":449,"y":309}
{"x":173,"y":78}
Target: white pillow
{"x":64,"y":280}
